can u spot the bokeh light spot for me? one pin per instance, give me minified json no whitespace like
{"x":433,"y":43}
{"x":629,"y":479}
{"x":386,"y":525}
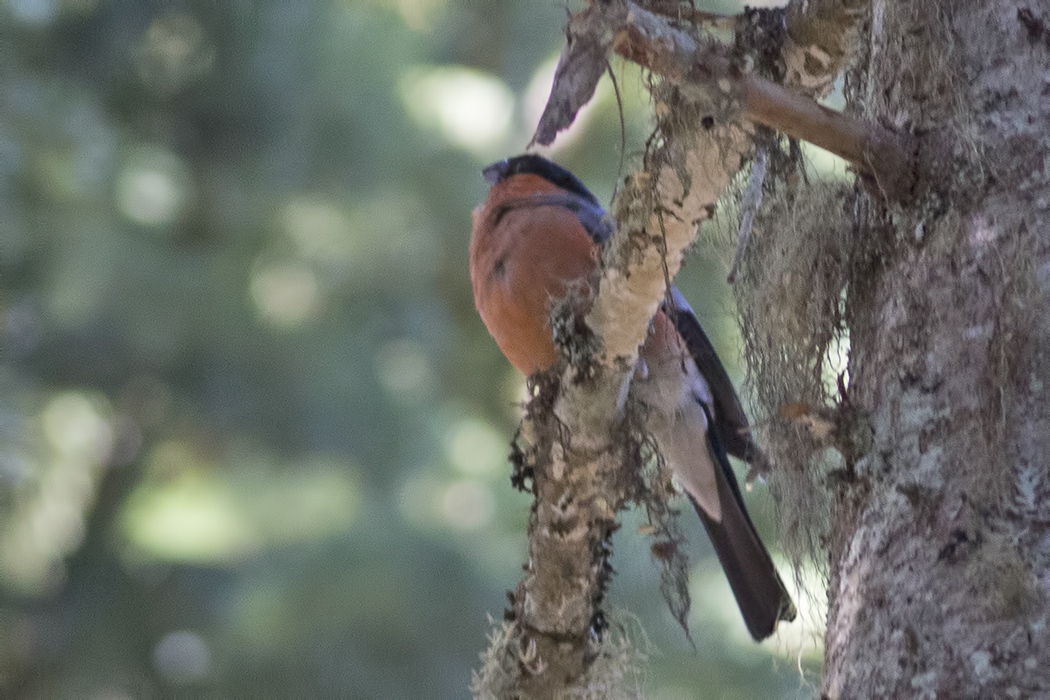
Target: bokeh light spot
{"x":471,"y":109}
{"x":57,"y":525}
{"x":402,"y":367}
{"x":285,"y":295}
{"x":476,"y":448}
{"x":173,"y":52}
{"x":400,"y":260}
{"x":47,"y":520}
{"x":75,"y":427}
{"x":316,"y":498}
{"x":153,"y":187}
{"x":320,"y":230}
{"x":468,"y":504}
{"x":193,"y":519}
{"x":415,"y":498}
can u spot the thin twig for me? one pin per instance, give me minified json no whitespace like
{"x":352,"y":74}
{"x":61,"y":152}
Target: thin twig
{"x":749,"y":205}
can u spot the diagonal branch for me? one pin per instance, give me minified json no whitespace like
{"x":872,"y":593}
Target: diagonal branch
{"x":707,"y":72}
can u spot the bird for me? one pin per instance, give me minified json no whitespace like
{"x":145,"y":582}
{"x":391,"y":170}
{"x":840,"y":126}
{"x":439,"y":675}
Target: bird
{"x":539,"y":235}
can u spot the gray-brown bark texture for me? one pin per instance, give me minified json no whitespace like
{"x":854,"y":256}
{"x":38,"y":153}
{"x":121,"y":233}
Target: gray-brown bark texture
{"x":940,"y":534}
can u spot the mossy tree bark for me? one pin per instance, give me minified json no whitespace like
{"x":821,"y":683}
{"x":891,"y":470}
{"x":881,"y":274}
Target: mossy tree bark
{"x":940,"y":534}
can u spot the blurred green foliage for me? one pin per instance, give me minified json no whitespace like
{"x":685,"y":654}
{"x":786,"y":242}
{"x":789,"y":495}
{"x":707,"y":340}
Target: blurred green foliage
{"x":252,"y":435}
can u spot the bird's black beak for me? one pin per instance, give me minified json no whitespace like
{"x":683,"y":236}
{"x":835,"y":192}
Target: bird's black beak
{"x":494,"y":173}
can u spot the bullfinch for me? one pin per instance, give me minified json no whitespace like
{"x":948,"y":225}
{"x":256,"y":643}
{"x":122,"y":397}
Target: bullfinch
{"x":539,"y":235}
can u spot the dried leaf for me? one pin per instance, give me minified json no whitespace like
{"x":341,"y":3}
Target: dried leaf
{"x":582,"y":63}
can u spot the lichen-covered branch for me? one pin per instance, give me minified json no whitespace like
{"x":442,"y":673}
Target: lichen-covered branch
{"x":577,"y":447}
{"x":658,"y":213}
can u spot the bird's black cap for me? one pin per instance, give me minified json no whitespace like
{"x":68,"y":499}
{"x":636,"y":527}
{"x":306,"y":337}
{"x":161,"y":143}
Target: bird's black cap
{"x":530,"y":163}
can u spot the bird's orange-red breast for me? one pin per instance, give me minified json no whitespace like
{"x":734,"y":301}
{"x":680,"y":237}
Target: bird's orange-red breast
{"x":538,"y":235}
{"x":526,"y":249}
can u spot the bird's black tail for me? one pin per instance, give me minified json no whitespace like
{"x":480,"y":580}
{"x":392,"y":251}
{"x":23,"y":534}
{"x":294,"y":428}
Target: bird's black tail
{"x":757,"y":586}
{"x":759,"y":592}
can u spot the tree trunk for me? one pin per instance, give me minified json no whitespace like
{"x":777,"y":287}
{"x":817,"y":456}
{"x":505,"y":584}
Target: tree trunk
{"x":940,"y":536}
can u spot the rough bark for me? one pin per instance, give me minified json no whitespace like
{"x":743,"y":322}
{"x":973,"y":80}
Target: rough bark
{"x":940,"y":539}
